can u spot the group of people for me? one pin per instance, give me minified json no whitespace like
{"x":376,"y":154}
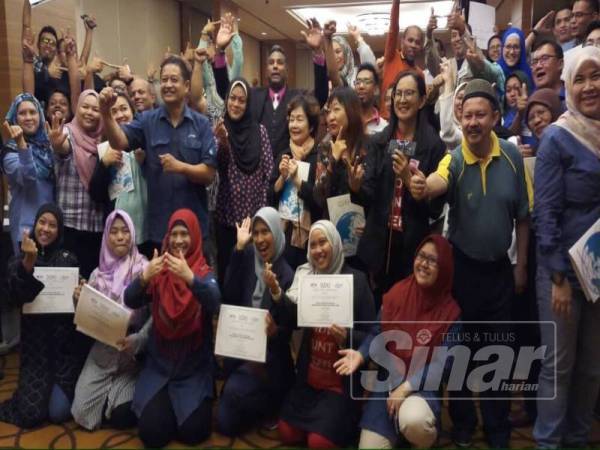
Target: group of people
{"x":166,"y":192}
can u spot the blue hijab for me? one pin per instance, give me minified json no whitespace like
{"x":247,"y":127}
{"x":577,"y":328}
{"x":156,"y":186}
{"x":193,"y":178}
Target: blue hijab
{"x":522,"y":65}
{"x":43,"y":158}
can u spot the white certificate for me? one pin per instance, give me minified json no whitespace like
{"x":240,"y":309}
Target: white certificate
{"x":242,"y":333}
{"x":326,"y":300}
{"x":100,"y":317}
{"x":57,"y":295}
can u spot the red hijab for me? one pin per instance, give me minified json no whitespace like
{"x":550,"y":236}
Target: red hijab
{"x":177,"y":314}
{"x":407,"y":301}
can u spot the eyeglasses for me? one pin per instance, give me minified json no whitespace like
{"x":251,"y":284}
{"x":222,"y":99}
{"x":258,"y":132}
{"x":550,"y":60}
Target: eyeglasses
{"x":592,"y":43}
{"x":512,"y":47}
{"x":542,"y":59}
{"x":363,"y":81}
{"x":580,"y":15}
{"x":425,"y":258}
{"x":48,"y":41}
{"x":407,"y":94}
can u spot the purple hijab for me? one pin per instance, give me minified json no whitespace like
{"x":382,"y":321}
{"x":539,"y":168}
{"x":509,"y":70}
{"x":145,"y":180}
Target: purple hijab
{"x":114,"y":274}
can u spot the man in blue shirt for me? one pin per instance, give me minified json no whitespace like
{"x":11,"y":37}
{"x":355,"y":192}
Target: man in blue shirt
{"x":180,"y":149}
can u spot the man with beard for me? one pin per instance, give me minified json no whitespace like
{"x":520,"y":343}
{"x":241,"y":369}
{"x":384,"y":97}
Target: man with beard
{"x":366,"y":85}
{"x":269,"y":105}
{"x":483,"y":180}
{"x":547,"y":66}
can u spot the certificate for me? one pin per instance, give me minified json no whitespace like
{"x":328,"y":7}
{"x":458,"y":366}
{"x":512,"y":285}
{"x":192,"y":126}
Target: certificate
{"x":347,"y":217}
{"x":325,"y":300}
{"x":57,"y":295}
{"x":100,"y":317}
{"x":242,"y":333}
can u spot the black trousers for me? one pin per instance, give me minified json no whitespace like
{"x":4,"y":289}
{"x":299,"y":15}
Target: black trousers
{"x":86,"y":246}
{"x":484,"y":292}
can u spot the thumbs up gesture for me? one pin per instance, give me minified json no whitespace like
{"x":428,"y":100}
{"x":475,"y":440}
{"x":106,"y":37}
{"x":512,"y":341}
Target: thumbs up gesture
{"x":418,"y":185}
{"x":152,"y":269}
{"x":431,"y":25}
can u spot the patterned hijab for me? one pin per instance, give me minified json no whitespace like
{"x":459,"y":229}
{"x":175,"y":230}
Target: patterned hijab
{"x":114,"y":274}
{"x":347,"y":71}
{"x":85,"y":143}
{"x":585,"y":129}
{"x":43,"y":158}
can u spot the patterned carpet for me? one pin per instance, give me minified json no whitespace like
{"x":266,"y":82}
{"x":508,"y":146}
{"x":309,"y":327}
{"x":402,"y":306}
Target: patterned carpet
{"x":71,"y":436}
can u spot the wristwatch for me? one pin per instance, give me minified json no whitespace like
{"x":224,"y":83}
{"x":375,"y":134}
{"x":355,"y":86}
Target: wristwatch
{"x":557,"y":278}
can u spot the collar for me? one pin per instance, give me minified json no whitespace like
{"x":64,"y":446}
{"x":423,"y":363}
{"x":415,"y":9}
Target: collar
{"x":406,"y":61}
{"x":164,"y":114}
{"x":375,"y":117}
{"x":471,"y":158}
{"x":280,"y":93}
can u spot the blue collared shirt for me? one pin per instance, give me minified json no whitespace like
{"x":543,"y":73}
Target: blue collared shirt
{"x":193,"y":142}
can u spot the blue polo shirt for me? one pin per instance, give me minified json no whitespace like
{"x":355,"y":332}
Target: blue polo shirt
{"x":192,"y":142}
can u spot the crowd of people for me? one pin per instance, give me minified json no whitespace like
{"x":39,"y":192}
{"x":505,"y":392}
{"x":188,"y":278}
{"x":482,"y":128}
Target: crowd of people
{"x":165,"y":190}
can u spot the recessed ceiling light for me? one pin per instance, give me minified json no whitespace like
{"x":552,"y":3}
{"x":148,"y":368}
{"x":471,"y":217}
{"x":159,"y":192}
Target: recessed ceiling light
{"x":263,"y":33}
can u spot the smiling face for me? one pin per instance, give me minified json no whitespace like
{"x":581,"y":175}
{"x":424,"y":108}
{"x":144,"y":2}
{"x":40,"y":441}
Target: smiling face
{"x":365,"y":87}
{"x":173,"y":87}
{"x":458,"y":44}
{"x":412,"y":43}
{"x":88,"y":113}
{"x":46,"y":229}
{"x":478,"y":120}
{"x":407,"y":100}
{"x":263,"y":240}
{"x":119,"y":238}
{"x":494,"y":47}
{"x":58,"y":105}
{"x":512,"y":50}
{"x":298,"y":126}
{"x":562,"y":28}
{"x":546,"y":67}
{"x":458,"y":101}
{"x":513,"y":90}
{"x":338,"y":53}
{"x":47,"y":46}
{"x":321,"y":251}
{"x":180,"y":240}
{"x":538,"y":118}
{"x":336,"y":118}
{"x":121,"y":111}
{"x":276,"y":70}
{"x":425,"y":267}
{"x":237,"y":103}
{"x":586,"y":89}
{"x":141,"y":94}
{"x":28,"y":118}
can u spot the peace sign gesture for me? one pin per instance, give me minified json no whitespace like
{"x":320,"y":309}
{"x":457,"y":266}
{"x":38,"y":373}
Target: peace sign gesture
{"x":56,"y":133}
{"x":15,"y":132}
{"x":522,"y":99}
{"x":339,"y":146}
{"x":356,"y":173}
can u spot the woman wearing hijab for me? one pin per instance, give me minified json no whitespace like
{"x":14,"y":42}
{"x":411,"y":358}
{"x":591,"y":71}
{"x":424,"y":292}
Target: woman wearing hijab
{"x":105,"y":387}
{"x":28,"y":163}
{"x":245,"y":163}
{"x":76,"y":155}
{"x":52,"y":352}
{"x":257,"y":277}
{"x":174,"y":391}
{"x":514,"y":54}
{"x":425,"y":299}
{"x":319,"y":411}
{"x":297,"y":206}
{"x":567,"y":204}
{"x":517,"y":88}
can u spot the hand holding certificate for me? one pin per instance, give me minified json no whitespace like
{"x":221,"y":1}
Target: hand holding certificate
{"x":242,"y":333}
{"x":57,"y":295}
{"x":100,"y":317}
{"x":326,"y":300}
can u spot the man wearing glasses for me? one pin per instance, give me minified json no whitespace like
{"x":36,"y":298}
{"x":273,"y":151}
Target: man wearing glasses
{"x":366,"y":85}
{"x":547,"y":66}
{"x":584,"y":12}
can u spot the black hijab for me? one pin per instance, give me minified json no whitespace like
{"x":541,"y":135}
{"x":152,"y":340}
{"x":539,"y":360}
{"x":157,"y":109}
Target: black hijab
{"x":47,"y":256}
{"x":244,"y":134}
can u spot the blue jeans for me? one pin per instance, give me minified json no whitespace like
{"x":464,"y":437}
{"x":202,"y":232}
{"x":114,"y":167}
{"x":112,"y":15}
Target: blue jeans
{"x":566,"y":420}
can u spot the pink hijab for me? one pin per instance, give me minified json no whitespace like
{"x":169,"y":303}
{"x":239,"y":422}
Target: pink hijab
{"x":84,"y":143}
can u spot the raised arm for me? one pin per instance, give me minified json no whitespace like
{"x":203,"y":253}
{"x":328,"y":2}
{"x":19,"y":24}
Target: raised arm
{"x":394,"y":30}
{"x":115,"y":135}
{"x":73,"y":66}
{"x":197,"y":83}
{"x":89,"y":23}
{"x":332,"y":69}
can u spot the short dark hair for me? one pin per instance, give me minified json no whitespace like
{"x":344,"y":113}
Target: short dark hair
{"x":421,"y":88}
{"x":179,"y":62}
{"x":50,"y":30}
{"x":354,"y":133}
{"x":371,"y":68}
{"x":277,"y":48}
{"x":555,"y":45}
{"x":311,"y":108}
{"x":593,"y":4}
{"x":593,"y":25}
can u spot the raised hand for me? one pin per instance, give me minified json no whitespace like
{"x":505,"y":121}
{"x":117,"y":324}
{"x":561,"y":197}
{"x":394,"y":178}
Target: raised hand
{"x":153,"y":268}
{"x":339,"y":334}
{"x":226,"y":31}
{"x":292,"y":168}
{"x":170,"y":164}
{"x":431,"y":25}
{"x":446,"y":73}
{"x":200,"y":55}
{"x":522,"y":98}
{"x":354,"y":36}
{"x":188,"y":54}
{"x":473,"y":56}
{"x":356,"y":173}
{"x":151,"y":72}
{"x":546,"y":23}
{"x":15,"y":132}
{"x":457,"y":22}
{"x":89,"y":22}
{"x":314,"y":35}
{"x":284,"y":166}
{"x":418,"y":185}
{"x":55,"y":70}
{"x":350,"y":361}
{"x":29,"y":51}
{"x":338,"y":148}
{"x":77,"y":291}
{"x":209,"y":28}
{"x":244,"y":234}
{"x":124,"y":72}
{"x":56,"y":133}
{"x":96,"y":65}
{"x":178,"y":265}
{"x":107,"y":99}
{"x":270,"y":279}
{"x":29,"y":250}
{"x":329,"y":29}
